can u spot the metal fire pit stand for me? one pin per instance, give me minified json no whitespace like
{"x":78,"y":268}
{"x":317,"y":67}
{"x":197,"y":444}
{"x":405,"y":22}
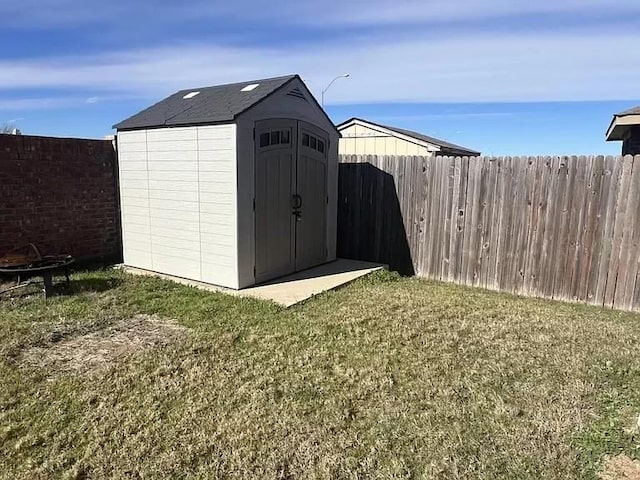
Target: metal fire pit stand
{"x":44,"y":271}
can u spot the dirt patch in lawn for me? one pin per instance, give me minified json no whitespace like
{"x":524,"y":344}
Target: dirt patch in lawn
{"x":620,"y":467}
{"x":97,"y":350}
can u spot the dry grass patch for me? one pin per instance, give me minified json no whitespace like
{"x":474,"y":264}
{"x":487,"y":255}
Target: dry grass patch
{"x":97,"y":350}
{"x":620,"y":467}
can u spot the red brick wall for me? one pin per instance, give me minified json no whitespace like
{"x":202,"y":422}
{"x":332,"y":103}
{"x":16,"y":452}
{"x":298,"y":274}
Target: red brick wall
{"x":60,"y":194}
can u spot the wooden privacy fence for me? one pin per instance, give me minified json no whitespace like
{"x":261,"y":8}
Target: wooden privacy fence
{"x":557,"y":227}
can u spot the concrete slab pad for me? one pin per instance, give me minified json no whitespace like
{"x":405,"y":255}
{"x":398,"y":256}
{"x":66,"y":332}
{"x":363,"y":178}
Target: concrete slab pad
{"x":292,"y":289}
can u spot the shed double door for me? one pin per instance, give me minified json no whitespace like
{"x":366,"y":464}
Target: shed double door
{"x":290,"y":197}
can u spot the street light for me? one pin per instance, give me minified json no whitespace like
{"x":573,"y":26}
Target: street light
{"x":345,"y":75}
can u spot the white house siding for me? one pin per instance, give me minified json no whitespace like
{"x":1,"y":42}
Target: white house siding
{"x":362,"y":140}
{"x":187,"y":227}
{"x":278,"y":105}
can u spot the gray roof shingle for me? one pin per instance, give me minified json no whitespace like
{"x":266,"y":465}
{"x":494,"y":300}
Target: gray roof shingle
{"x":425,"y":138}
{"x":222,"y":103}
{"x":631,"y":111}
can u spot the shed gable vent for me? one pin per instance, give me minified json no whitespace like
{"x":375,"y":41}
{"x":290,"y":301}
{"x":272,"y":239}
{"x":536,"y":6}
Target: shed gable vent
{"x":190,"y":95}
{"x":297,"y":93}
{"x":248,"y":88}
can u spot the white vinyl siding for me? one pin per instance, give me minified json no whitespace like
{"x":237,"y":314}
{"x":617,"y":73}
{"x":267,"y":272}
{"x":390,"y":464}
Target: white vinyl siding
{"x":178,"y":191}
{"x":167,"y":148}
{"x":218,"y":204}
{"x":134,"y":199}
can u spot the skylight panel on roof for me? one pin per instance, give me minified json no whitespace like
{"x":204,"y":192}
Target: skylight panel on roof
{"x":190,"y":95}
{"x":248,"y":88}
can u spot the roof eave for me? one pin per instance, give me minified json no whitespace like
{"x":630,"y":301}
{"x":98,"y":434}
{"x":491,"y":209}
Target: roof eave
{"x":620,"y":125}
{"x":615,"y":132}
{"x":346,"y":123}
{"x":177,"y":125}
{"x":459,"y":152}
{"x":463,"y":153}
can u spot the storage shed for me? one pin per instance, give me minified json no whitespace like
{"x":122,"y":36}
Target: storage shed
{"x":231,"y":185}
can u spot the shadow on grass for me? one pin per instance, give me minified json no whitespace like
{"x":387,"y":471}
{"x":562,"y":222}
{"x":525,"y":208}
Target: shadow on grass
{"x":90,"y":284}
{"x":60,"y":287}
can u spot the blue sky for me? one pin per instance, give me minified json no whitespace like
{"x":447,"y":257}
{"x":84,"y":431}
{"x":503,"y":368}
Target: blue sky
{"x":500,"y":76}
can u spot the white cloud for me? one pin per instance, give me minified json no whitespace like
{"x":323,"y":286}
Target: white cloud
{"x":393,"y":12}
{"x":51,"y":102}
{"x":509,"y":67}
{"x":305,"y":12}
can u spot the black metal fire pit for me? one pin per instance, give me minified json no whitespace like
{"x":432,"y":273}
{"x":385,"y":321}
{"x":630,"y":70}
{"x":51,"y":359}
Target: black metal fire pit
{"x":26,"y":262}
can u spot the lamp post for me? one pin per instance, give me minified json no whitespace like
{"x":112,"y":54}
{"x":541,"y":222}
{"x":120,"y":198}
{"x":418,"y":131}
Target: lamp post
{"x":345,"y":75}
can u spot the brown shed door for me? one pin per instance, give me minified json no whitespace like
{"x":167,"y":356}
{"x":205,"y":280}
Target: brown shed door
{"x":291,"y":197}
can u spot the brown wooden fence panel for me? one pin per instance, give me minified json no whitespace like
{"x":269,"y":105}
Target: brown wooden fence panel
{"x":563,"y":227}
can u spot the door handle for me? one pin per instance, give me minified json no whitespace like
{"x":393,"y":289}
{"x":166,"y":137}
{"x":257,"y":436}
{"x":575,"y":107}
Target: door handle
{"x":297,"y":202}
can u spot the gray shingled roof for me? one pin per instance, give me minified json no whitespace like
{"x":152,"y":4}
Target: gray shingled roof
{"x":632,"y":111}
{"x":222,"y":103}
{"x":419,"y":136}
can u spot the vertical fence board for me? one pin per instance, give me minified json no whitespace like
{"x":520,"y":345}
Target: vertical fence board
{"x":618,"y":232}
{"x":518,"y":223}
{"x":438,"y":194}
{"x":567,"y":174}
{"x":536,"y":260}
{"x":636,"y":295}
{"x":434,"y":220}
{"x":495,"y":222}
{"x":461,"y":219}
{"x":613,"y":172}
{"x":428,"y":178}
{"x":502,"y":261}
{"x":490,"y":226}
{"x":403,"y":189}
{"x":577,"y":229}
{"x":445,"y":244}
{"x":471,"y":213}
{"x":591,"y":246}
{"x":544,"y":282}
{"x":571,"y":214}
{"x":534,"y":186}
{"x":629,"y":253}
{"x":452,"y":218}
{"x":484,"y":210}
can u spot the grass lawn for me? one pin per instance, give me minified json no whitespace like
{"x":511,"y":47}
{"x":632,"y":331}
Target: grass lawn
{"x":385,"y":378}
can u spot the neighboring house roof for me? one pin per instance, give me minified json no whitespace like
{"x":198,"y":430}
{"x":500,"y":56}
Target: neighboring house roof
{"x":631,"y":111}
{"x":222,"y":103}
{"x":415,"y":135}
{"x":622,"y":122}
